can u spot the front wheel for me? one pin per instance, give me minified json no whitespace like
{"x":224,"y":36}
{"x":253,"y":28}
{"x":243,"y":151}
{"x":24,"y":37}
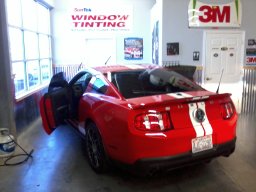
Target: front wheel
{"x":95,"y":150}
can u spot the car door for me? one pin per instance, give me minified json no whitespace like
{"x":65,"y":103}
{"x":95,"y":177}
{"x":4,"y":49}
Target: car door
{"x":77,"y":87}
{"x":54,"y":105}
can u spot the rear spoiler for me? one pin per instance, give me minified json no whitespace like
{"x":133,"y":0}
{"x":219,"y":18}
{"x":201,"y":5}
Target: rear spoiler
{"x":145,"y":102}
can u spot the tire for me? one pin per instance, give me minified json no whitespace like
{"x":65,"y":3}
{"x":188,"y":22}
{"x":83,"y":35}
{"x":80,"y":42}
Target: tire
{"x":95,"y":149}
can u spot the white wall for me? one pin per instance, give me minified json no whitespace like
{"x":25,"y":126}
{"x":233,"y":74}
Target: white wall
{"x":68,"y":47}
{"x":50,"y":3}
{"x":156,"y":15}
{"x":175,"y":28}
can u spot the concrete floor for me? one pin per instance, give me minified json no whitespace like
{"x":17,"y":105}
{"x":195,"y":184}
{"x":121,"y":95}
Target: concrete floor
{"x":59,"y":165}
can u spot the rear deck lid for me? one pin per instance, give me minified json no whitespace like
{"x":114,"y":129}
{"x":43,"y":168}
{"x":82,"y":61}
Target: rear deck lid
{"x":186,"y":109}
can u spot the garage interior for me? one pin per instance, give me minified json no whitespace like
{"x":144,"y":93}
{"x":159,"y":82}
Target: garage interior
{"x":58,"y":162}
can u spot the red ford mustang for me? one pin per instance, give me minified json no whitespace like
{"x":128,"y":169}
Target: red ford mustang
{"x":148,"y":117}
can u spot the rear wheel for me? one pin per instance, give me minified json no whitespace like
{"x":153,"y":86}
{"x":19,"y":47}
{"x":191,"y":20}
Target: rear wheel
{"x":95,"y":150}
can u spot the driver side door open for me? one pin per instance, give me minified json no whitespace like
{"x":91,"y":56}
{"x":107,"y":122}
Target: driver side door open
{"x":54,"y":109}
{"x":54,"y":105}
{"x":61,"y":102}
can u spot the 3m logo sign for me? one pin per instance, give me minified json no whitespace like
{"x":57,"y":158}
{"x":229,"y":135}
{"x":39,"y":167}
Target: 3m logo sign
{"x":214,"y":14}
{"x":201,"y":14}
{"x":251,"y":60}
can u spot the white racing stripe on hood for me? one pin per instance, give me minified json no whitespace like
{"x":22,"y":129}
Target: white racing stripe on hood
{"x":180,"y":95}
{"x":206,"y":124}
{"x":197,"y":126}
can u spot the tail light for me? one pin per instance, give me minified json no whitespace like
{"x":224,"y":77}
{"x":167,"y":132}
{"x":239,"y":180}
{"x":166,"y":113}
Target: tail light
{"x":227,"y":110}
{"x":153,"y":122}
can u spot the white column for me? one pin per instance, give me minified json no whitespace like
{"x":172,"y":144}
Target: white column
{"x":6,"y":95}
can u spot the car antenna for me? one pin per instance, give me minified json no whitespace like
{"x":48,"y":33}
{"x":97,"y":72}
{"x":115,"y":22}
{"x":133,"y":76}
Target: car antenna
{"x":79,"y":67}
{"x":220,"y":81}
{"x":107,"y":60}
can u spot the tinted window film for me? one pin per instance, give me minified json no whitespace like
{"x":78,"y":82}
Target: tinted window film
{"x":99,"y":86}
{"x":138,"y":83}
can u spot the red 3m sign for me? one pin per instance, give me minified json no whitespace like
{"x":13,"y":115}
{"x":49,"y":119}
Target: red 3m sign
{"x":214,"y":14}
{"x":205,"y":15}
{"x":251,"y":60}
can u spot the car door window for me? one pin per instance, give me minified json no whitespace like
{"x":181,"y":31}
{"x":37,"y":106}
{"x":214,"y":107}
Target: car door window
{"x":84,"y":80}
{"x":80,"y":82}
{"x":99,"y":86}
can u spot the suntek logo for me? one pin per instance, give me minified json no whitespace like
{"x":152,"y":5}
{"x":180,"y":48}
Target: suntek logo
{"x":214,"y":14}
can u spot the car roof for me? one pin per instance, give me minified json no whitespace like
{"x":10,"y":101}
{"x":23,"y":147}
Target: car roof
{"x":119,"y":68}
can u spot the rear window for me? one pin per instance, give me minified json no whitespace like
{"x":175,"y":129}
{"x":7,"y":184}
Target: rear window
{"x":139,"y":83}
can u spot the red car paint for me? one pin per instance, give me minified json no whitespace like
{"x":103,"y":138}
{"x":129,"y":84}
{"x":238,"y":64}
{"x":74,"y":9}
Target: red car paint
{"x":115,"y":116}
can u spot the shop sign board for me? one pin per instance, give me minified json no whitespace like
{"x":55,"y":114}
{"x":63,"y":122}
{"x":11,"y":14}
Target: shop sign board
{"x":251,"y":60}
{"x":107,"y":18}
{"x":214,"y":15}
{"x":251,"y":56}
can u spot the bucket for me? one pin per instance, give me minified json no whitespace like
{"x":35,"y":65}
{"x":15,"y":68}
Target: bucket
{"x":7,"y":144}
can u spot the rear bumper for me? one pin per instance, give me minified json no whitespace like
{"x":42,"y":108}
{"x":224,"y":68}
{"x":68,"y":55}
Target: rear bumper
{"x":151,"y":165}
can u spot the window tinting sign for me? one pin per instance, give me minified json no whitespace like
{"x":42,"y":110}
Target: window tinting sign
{"x":101,"y":18}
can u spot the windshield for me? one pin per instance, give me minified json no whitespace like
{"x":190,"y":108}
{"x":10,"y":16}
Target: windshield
{"x":139,"y":83}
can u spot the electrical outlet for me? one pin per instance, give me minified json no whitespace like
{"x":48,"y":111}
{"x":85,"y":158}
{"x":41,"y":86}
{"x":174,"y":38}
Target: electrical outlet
{"x":196,"y":56}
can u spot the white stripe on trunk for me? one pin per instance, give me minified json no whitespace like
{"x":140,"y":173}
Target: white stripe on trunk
{"x":206,"y":124}
{"x":197,"y":126}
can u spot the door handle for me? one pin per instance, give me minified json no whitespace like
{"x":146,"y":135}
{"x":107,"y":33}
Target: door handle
{"x":208,"y":78}
{"x":224,"y":48}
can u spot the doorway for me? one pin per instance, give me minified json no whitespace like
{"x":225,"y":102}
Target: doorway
{"x":223,"y":61}
{"x":100,"y":51}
